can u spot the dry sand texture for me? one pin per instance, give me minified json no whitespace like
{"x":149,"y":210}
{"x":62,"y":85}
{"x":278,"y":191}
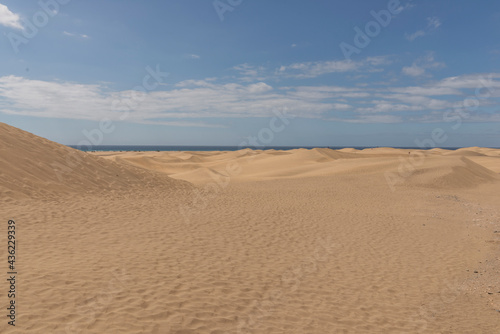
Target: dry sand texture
{"x":302,"y":241}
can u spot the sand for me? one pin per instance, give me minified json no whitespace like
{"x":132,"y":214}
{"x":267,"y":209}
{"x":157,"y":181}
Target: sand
{"x":302,"y":241}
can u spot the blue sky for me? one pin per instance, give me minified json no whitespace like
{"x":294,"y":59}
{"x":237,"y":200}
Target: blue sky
{"x":344,"y":73}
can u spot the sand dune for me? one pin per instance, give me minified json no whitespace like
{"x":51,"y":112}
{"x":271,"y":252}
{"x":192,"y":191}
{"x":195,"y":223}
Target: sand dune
{"x":35,"y":167}
{"x":466,"y":153}
{"x":457,"y":172}
{"x":490,"y":162}
{"x":464,"y":167}
{"x":300,"y":241}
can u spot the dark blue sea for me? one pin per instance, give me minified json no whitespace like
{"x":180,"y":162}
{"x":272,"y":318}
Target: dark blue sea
{"x":143,"y":148}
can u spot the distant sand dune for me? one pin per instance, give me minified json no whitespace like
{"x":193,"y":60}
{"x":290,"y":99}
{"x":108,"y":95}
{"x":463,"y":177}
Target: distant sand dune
{"x":490,"y":162}
{"x":466,"y":153}
{"x":442,"y":166}
{"x":456,"y":172}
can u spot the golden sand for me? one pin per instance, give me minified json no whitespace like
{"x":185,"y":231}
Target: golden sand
{"x":301,"y":241}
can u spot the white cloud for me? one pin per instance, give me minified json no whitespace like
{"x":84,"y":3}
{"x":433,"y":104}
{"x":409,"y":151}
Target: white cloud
{"x":369,"y":119}
{"x":429,"y":102}
{"x":406,"y":6}
{"x":432,"y":24}
{"x":260,"y":87}
{"x":422,"y":102}
{"x":201,"y":99}
{"x":193,"y":56}
{"x":326,"y":92}
{"x":314,"y":69}
{"x":427,"y":91}
{"x":376,"y":119}
{"x":486,"y":83}
{"x":201,"y":83}
{"x":306,"y":70}
{"x":416,"y":34}
{"x":413,"y":70}
{"x":251,"y":73}
{"x":341,"y":106}
{"x":377,"y":61}
{"x":9,"y":19}
{"x":189,"y":102}
{"x":75,"y":35}
{"x":419,"y":67}
{"x":387,"y":106}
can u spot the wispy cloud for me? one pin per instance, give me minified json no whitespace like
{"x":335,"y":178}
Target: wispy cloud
{"x":9,"y":19}
{"x":415,"y":35}
{"x":75,"y":35}
{"x":313,"y":69}
{"x":192,"y":56}
{"x":190,"y":102}
{"x":432,"y":24}
{"x":250,"y":73}
{"x":419,"y":67}
{"x":414,"y":70}
{"x":370,"y":119}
